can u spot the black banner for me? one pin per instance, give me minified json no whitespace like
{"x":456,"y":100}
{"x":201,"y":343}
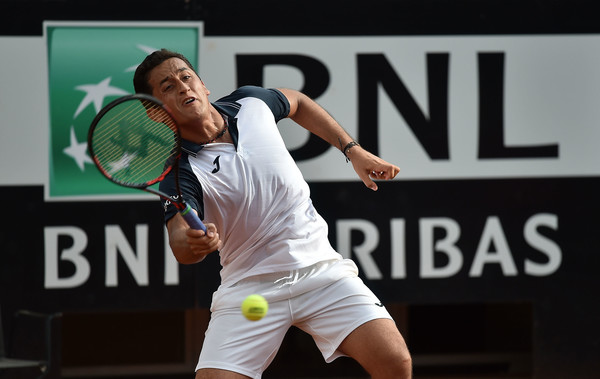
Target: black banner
{"x":415,"y":242}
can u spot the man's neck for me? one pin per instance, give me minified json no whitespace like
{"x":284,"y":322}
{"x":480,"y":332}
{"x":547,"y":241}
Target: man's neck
{"x":209,"y":130}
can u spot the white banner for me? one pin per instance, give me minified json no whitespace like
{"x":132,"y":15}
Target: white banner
{"x":539,"y":91}
{"x":550,"y":88}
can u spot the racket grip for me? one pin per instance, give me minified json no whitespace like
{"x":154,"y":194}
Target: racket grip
{"x":192,"y":218}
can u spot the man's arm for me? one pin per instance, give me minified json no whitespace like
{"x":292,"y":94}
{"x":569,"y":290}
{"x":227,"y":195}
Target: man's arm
{"x":310,"y":115}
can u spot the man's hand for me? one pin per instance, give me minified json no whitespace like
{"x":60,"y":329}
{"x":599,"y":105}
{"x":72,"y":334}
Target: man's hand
{"x":202,"y":244}
{"x":370,"y":167}
{"x":190,"y":245}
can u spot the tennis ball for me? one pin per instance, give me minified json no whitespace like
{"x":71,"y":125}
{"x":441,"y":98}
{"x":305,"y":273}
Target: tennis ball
{"x":254,"y":307}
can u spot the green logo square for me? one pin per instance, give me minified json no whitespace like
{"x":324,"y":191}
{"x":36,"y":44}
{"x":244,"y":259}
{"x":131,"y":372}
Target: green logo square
{"x":89,"y":65}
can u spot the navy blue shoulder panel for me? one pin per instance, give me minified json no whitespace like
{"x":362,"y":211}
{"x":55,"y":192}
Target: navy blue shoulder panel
{"x":191,"y":189}
{"x":274,"y":99}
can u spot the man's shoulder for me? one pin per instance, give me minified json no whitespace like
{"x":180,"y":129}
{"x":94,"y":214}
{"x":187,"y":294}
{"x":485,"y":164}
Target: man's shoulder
{"x":274,"y":99}
{"x":248,"y":91}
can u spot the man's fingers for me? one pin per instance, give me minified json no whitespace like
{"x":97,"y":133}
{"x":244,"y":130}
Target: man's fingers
{"x":369,"y":182}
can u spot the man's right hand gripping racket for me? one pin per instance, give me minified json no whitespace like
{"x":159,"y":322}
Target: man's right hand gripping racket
{"x":135,"y":142}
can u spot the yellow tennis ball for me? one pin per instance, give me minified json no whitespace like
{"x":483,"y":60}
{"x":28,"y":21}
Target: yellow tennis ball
{"x":254,"y":307}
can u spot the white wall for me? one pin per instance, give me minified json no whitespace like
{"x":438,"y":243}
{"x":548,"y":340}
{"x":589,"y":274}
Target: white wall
{"x":23,"y":111}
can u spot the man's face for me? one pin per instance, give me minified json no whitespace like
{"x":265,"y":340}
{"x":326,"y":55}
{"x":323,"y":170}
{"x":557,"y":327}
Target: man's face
{"x":181,"y":90}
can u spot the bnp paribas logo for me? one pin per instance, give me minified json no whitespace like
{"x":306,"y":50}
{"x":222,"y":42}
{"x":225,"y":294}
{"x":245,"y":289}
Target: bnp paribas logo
{"x":89,"y":65}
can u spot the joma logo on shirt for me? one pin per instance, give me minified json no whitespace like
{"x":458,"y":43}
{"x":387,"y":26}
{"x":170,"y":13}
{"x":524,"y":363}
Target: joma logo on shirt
{"x":216,"y":163}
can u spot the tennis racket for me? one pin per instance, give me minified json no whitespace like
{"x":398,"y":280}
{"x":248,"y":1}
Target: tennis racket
{"x":135,"y":142}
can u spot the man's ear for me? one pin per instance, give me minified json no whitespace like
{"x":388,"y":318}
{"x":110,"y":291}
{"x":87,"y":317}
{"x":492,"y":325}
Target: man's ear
{"x":206,"y":90}
{"x":160,"y":114}
{"x":155,"y":113}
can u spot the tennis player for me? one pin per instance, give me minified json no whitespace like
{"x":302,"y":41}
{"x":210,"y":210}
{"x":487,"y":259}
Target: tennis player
{"x":237,"y":174}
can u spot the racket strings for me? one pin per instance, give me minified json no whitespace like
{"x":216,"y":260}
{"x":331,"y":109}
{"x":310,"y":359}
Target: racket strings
{"x":132,"y":142}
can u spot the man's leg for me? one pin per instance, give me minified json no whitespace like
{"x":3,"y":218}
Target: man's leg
{"x":212,"y":373}
{"x":380,"y":349}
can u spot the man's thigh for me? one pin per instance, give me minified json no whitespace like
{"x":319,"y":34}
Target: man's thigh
{"x":235,"y":344}
{"x":211,"y":373}
{"x":331,"y":313}
{"x":377,"y":344}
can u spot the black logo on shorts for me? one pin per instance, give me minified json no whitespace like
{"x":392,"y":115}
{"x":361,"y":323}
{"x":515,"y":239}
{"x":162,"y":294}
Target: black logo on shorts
{"x":379,"y":304}
{"x":216,"y":163}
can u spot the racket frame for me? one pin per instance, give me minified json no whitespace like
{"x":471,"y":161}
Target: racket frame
{"x":184,"y":209}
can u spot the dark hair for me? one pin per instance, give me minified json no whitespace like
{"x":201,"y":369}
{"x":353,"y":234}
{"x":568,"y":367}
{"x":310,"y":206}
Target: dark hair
{"x":142,"y":73}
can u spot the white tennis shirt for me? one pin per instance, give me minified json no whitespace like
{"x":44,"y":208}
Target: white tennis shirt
{"x":253,"y":191}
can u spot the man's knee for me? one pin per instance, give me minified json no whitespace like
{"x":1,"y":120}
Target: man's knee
{"x":397,"y":364}
{"x":380,"y":348}
{"x":403,"y":366}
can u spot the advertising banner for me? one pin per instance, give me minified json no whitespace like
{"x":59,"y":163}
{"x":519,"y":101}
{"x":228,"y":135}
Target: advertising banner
{"x":89,"y":65}
{"x":495,"y":136}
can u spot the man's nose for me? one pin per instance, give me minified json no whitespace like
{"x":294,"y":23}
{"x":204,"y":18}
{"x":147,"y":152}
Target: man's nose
{"x":183,"y":87}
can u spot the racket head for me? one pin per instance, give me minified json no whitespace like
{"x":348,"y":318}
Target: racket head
{"x":134,"y":141}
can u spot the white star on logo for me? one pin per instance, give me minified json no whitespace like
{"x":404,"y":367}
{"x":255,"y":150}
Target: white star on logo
{"x":78,"y":151}
{"x":122,"y":163}
{"x":147,"y":50}
{"x":96,"y":94}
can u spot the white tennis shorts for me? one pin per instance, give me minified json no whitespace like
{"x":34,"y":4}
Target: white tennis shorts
{"x":327,"y":300}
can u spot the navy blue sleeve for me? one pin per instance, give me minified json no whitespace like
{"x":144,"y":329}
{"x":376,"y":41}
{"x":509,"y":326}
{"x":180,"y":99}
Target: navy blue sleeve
{"x":191,"y":190}
{"x":274,"y":99}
